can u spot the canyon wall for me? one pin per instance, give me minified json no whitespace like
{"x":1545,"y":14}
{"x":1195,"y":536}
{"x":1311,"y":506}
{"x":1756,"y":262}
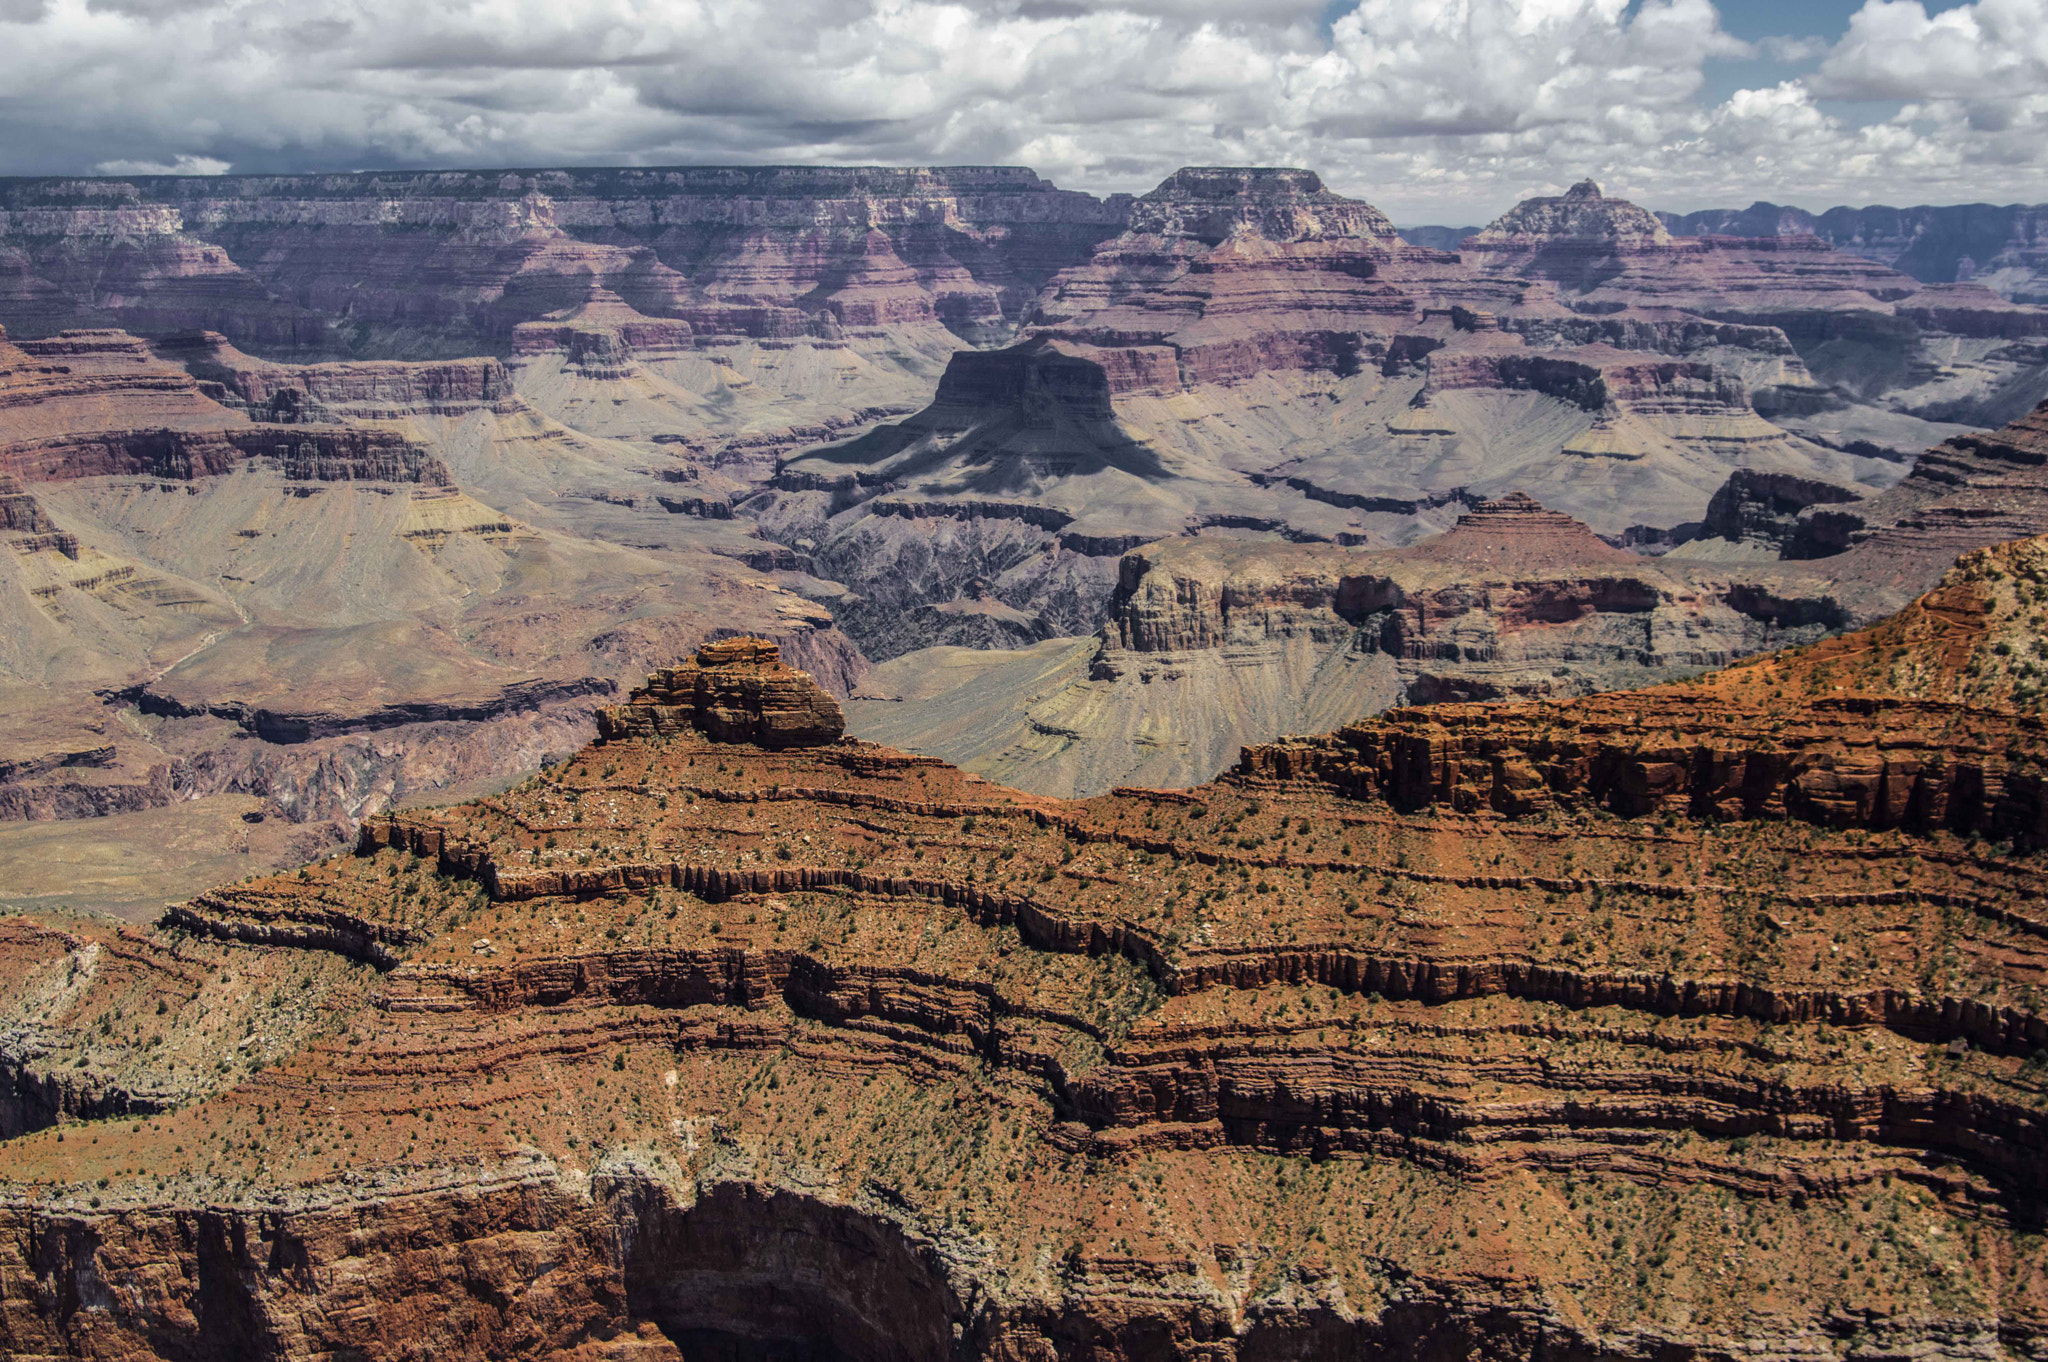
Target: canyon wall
{"x":695,"y":1046}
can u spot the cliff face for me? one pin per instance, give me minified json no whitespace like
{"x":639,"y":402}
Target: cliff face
{"x":1248,"y":313}
{"x":361,"y":391}
{"x":1994,"y":245}
{"x":1593,"y":245}
{"x":1508,"y":563}
{"x":1966,"y":493}
{"x":449,"y":263}
{"x":1866,"y":730}
{"x":1210,"y":204}
{"x":693,"y":1046}
{"x":97,"y":403}
{"x":1224,"y":274}
{"x":1862,"y":327}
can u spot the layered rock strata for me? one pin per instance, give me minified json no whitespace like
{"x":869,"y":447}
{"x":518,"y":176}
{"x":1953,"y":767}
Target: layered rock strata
{"x":209,"y":548}
{"x":1998,"y":247}
{"x":1597,"y":247}
{"x":734,"y":690}
{"x":1969,"y":492}
{"x":452,"y":263}
{"x":1875,"y":735}
{"x":1213,"y":644}
{"x":695,"y":1046}
{"x":1940,"y":351}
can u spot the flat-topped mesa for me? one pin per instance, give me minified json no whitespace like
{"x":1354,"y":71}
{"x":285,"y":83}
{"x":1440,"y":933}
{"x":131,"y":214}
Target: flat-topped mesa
{"x":1581,"y":213}
{"x":1281,"y":203}
{"x":734,"y":690}
{"x":602,"y":332}
{"x":1027,"y":377}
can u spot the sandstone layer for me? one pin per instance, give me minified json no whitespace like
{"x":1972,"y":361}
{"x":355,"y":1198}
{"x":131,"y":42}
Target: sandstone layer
{"x":695,"y":1046}
{"x":452,"y":262}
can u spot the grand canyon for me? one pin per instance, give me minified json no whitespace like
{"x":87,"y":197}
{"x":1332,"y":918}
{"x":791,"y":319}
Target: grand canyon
{"x":863,"y":764}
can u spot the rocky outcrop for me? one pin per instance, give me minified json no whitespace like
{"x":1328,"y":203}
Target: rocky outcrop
{"x":1224,"y":274}
{"x":1694,"y":401}
{"x":65,"y":785}
{"x":1582,"y":214}
{"x":1878,"y":729}
{"x":1974,"y":639}
{"x":603,"y":335}
{"x":1212,"y":645}
{"x":20,"y":512}
{"x":1514,"y":599}
{"x":1758,"y":507}
{"x":734,"y":690}
{"x":83,"y":379}
{"x":1966,"y":493}
{"x":1850,"y":763}
{"x":1868,"y":331}
{"x":96,"y":403}
{"x":1249,"y":301}
{"x":308,"y":453}
{"x":138,"y":270}
{"x":1594,"y":247}
{"x":383,"y":390}
{"x":705,"y":1047}
{"x":1211,"y":204}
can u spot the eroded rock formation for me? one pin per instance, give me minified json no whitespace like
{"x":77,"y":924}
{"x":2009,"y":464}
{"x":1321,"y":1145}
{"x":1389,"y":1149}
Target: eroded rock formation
{"x":452,"y":263}
{"x":697,"y":1047}
{"x":734,"y":690}
{"x":202,"y":547}
{"x":1998,"y":247}
{"x":1213,"y":644}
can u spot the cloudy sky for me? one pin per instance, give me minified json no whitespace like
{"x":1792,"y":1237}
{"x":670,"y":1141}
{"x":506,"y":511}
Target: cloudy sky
{"x":1436,"y":110}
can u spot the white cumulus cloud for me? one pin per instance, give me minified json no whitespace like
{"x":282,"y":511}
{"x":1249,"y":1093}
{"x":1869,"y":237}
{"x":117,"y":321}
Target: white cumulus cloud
{"x":1435,"y":109}
{"x":183,"y":165}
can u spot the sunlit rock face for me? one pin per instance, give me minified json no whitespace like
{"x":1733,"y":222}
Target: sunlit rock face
{"x":734,"y":690}
{"x":697,"y":1046}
